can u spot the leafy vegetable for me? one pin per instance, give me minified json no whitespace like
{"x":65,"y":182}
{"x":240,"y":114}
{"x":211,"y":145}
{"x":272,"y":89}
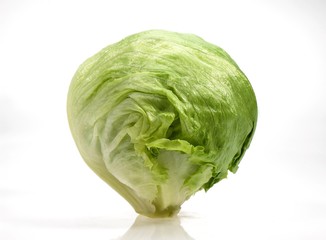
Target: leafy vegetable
{"x":161,"y":115}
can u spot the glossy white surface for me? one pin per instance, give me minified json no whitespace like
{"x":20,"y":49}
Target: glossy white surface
{"x":279,"y":192}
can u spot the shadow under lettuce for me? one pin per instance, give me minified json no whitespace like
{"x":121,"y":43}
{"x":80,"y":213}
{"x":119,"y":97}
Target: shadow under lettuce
{"x":145,"y":228}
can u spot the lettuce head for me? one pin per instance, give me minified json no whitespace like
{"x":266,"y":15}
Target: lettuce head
{"x":161,"y":115}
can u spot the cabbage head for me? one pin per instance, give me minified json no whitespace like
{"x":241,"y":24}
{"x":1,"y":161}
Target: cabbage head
{"x":161,"y":115}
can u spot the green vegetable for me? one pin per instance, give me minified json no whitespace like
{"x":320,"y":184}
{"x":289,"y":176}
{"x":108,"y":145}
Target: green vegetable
{"x":161,"y":115}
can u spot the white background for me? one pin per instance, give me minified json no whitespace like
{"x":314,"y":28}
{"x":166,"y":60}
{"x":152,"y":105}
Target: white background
{"x":279,"y":192}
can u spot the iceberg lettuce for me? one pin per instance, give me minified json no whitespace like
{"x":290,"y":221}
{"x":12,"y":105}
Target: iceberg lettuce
{"x":161,"y":115}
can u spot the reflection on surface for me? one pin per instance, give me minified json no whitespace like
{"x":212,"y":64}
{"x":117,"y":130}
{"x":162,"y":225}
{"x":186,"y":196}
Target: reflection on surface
{"x":146,"y":228}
